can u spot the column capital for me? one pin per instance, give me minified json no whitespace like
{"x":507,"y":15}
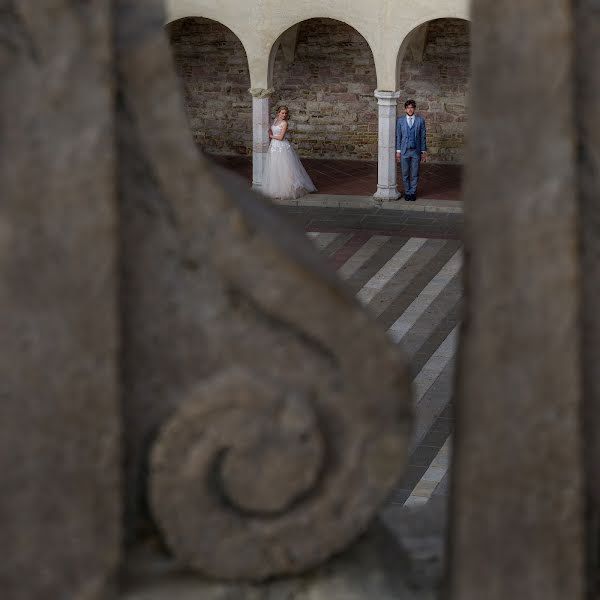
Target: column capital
{"x":386,"y":97}
{"x":261,"y":92}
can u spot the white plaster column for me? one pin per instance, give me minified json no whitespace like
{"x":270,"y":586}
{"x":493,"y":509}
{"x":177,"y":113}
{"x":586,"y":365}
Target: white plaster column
{"x":387,"y":186}
{"x":261,"y":121}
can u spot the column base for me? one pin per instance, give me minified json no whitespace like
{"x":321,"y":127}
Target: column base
{"x":386,"y":194}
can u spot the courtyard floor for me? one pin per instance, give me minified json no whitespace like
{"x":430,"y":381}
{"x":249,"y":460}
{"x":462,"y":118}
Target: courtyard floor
{"x":404,"y":266}
{"x":359,"y":178}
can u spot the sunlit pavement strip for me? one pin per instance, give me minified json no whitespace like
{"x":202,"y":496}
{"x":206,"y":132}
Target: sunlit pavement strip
{"x":429,"y":402}
{"x":427,"y":414}
{"x":378,"y":281}
{"x":420,"y":304}
{"x":433,"y":476}
{"x":359,"y":258}
{"x":435,"y":365}
{"x":322,"y":240}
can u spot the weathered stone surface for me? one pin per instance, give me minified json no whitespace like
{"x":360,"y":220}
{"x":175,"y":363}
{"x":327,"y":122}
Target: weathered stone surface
{"x":517,"y":518}
{"x":329,"y":84}
{"x":421,"y":532}
{"x":230,"y":323}
{"x":374,"y":568}
{"x":587,"y":111}
{"x":266,"y":438}
{"x":59,"y":415}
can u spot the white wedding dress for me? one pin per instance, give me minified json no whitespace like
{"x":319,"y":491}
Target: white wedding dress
{"x":283,"y":175}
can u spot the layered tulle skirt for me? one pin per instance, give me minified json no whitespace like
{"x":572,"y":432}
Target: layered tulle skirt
{"x":283,"y":175}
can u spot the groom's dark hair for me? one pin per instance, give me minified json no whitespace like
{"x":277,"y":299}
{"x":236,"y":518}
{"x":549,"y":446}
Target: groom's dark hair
{"x":410,"y":103}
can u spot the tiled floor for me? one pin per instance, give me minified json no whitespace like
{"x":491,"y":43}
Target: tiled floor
{"x":353,"y":177}
{"x":410,"y":282}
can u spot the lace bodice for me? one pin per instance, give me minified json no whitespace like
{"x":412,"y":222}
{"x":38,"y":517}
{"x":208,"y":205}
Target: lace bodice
{"x":276,"y":129}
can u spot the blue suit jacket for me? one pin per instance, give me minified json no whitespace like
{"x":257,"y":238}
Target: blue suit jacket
{"x":402,"y":134}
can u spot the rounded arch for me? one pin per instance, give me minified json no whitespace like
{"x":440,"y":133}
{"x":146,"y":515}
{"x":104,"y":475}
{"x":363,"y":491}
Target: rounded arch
{"x":293,"y":24}
{"x":411,"y":36}
{"x":212,"y":64}
{"x":176,"y":11}
{"x":434,"y":70}
{"x":324,"y":70}
{"x":173,"y":17}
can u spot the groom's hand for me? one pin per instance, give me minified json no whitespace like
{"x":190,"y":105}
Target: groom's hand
{"x":397,"y":157}
{"x":423,"y":156}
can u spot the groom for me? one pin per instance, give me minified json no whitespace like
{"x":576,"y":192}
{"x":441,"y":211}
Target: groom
{"x":411,"y":146}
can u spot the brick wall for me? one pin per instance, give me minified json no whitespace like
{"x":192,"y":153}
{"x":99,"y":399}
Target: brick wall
{"x":213,"y":66}
{"x":439,"y":85}
{"x":329,"y":90}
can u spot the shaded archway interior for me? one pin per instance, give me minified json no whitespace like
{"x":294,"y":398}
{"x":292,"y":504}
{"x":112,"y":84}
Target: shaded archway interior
{"x":213,"y":68}
{"x":327,"y":78}
{"x":433,"y":69}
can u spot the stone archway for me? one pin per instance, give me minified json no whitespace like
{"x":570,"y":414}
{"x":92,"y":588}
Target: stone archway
{"x":327,"y":77}
{"x":433,"y":69}
{"x":212,"y":64}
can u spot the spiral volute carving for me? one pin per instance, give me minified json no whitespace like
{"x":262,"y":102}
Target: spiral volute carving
{"x":267,"y":416}
{"x":246,"y":473}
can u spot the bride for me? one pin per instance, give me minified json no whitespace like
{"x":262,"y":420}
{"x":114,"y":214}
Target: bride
{"x":283,"y":175}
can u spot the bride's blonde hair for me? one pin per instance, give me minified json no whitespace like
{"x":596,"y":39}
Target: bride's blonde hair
{"x":283,"y":107}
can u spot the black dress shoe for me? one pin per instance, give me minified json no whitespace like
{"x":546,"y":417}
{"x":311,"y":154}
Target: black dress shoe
{"x":413,"y":197}
{"x":406,"y":197}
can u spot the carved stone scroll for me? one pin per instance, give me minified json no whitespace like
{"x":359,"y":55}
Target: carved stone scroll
{"x":261,"y":404}
{"x":60,"y":504}
{"x":517,"y":519}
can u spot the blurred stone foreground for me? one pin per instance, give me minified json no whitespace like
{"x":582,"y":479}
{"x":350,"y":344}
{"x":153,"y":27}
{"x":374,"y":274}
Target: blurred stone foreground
{"x":185,"y":410}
